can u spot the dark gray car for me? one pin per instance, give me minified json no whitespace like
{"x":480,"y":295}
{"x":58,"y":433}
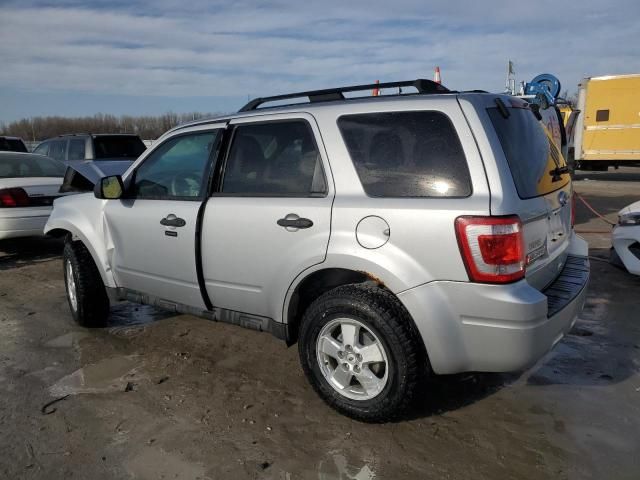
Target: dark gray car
{"x":92,"y":156}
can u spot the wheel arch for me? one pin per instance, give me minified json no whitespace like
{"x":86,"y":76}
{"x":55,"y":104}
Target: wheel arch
{"x":310,"y":286}
{"x":61,"y":229}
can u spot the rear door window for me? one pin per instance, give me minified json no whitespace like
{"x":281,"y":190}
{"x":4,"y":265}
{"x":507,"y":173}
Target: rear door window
{"x":58,"y":149}
{"x":274,"y":159}
{"x":406,"y":154}
{"x":531,"y":154}
{"x":76,"y":149}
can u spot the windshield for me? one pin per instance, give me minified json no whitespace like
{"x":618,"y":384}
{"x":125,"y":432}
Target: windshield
{"x":531,"y":153}
{"x":18,"y":166}
{"x":116,"y":147}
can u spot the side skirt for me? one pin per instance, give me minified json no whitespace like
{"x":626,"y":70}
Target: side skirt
{"x":216,"y":314}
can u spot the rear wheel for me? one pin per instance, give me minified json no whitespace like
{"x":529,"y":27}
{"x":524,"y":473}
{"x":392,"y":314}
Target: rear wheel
{"x":86,"y":293}
{"x":361,"y":353}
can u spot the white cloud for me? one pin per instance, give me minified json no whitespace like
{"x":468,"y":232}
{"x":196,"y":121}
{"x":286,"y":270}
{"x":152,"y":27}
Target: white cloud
{"x":199,"y":48}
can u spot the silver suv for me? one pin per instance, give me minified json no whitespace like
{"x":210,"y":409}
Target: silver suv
{"x":392,"y":237}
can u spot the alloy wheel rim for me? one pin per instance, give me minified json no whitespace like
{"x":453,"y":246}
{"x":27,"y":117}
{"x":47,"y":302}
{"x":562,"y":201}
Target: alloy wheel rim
{"x":71,"y":287}
{"x":352,"y":359}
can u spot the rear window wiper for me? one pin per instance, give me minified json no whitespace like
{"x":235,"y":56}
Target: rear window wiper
{"x":557,"y":172}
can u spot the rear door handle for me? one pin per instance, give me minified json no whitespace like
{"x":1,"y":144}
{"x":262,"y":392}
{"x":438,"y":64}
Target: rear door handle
{"x":293,"y":221}
{"x":172,"y":221}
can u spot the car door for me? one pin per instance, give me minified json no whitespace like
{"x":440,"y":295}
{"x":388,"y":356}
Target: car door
{"x":269,"y":218}
{"x":153,"y":229}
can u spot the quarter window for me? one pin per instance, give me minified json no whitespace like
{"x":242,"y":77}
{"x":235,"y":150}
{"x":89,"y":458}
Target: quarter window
{"x":602,"y":115}
{"x":406,"y":154}
{"x":178,"y":169}
{"x":274,"y":159}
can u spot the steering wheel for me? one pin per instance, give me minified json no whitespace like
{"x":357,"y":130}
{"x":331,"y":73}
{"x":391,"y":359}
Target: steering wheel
{"x":187,"y":185}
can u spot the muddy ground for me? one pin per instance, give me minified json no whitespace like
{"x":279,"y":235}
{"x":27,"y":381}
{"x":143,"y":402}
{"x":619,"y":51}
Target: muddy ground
{"x":155,"y":396}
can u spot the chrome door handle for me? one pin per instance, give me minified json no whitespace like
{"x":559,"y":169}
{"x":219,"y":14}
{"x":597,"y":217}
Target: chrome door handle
{"x":293,"y":221}
{"x":172,"y":221}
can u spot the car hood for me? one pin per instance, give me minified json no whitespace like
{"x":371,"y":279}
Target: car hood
{"x":634,"y":207}
{"x":82,"y":176}
{"x":95,"y":170}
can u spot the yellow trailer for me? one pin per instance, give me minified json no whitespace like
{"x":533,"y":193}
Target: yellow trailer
{"x":607,"y":129}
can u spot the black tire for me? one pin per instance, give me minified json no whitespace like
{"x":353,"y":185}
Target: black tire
{"x":92,"y":301}
{"x":389,"y":321}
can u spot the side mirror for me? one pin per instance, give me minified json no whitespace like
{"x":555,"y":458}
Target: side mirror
{"x":109,"y":188}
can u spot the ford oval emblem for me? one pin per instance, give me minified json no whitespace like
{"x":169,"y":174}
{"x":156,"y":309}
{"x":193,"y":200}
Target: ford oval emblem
{"x":563,"y":198}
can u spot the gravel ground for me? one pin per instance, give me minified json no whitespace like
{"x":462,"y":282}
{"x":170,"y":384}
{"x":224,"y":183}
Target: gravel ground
{"x":178,"y":397}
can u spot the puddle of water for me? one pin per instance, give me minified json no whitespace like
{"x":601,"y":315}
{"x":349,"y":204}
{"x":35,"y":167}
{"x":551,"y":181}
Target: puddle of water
{"x":129,"y":320}
{"x":129,"y":314}
{"x":67,"y":340}
{"x":336,"y":466}
{"x":151,"y":463}
{"x":109,"y":375}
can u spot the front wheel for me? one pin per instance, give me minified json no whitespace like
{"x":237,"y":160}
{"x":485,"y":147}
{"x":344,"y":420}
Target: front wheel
{"x":86,"y":294}
{"x":361,"y":353}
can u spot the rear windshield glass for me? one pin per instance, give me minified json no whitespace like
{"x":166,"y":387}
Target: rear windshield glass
{"x":115,"y":147}
{"x":530,"y":152}
{"x":12,"y":145}
{"x":16,"y":166}
{"x":406,"y":154}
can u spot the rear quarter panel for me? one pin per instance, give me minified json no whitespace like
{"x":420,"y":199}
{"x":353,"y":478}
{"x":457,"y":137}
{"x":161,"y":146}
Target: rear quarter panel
{"x":422,"y":244}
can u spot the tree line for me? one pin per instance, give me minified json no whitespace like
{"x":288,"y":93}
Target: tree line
{"x":149,"y":127}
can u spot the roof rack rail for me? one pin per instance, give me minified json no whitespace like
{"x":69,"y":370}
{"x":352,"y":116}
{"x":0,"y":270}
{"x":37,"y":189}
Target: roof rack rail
{"x":326,"y":95}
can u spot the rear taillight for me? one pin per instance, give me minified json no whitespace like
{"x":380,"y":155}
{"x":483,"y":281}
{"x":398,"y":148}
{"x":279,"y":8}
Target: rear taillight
{"x":492,"y":248}
{"x":13,"y":197}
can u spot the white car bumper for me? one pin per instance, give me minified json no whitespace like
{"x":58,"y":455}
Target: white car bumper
{"x":626,"y":242}
{"x":23,"y":221}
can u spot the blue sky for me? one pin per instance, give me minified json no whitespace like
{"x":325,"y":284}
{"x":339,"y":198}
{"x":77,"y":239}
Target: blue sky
{"x":72,"y":57}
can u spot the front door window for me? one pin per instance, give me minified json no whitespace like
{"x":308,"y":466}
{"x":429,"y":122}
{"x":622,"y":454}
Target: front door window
{"x":178,"y":169}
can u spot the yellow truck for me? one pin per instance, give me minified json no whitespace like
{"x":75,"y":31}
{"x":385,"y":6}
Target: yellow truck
{"x":607,"y":127}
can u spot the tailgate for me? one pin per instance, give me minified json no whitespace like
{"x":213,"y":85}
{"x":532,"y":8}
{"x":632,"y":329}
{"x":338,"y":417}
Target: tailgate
{"x":547,"y":236}
{"x":543,"y":186}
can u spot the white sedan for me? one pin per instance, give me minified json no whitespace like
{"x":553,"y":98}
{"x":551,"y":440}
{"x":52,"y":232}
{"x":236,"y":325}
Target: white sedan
{"x":28,"y":185}
{"x":626,"y":237}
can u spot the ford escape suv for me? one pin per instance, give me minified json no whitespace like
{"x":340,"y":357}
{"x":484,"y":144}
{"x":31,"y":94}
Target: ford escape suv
{"x":393,"y":237}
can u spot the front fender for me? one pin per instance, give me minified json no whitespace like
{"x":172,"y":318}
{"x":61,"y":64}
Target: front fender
{"x":82,"y":216}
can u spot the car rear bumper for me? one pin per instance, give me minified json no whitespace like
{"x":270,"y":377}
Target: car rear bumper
{"x":496,"y":328}
{"x":23,"y":222}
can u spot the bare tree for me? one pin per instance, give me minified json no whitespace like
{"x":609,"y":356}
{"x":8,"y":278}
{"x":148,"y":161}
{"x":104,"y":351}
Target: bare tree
{"x":147,"y":126}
